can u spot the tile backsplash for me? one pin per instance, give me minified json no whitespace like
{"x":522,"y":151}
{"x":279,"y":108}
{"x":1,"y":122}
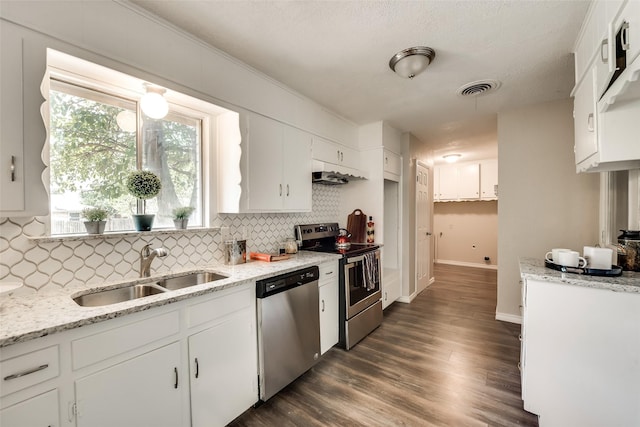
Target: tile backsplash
{"x":44,"y":266}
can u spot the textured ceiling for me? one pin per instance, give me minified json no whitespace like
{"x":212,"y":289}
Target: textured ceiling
{"x":337,"y":53}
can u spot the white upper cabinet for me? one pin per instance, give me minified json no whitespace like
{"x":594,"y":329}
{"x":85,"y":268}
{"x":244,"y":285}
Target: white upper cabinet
{"x":22,"y":131}
{"x":457,"y":182}
{"x":263,"y":166}
{"x":342,"y":158}
{"x":605,"y":112}
{"x":489,"y":179}
{"x":392,"y":166}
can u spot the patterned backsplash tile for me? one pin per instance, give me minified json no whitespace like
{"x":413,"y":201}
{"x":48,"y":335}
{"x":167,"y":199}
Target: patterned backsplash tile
{"x":44,"y":266}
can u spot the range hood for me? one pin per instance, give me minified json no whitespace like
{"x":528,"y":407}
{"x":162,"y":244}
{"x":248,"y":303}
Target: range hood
{"x":332,"y":174}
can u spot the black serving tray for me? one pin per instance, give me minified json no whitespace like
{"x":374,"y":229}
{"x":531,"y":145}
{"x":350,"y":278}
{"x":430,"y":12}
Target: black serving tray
{"x":614,"y":272}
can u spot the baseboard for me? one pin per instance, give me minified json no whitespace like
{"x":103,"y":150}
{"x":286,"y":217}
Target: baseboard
{"x":407,"y":299}
{"x":466,"y":264}
{"x":511,"y":318}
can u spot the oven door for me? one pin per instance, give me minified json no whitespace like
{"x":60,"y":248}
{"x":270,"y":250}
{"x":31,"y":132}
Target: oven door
{"x":360,"y":293}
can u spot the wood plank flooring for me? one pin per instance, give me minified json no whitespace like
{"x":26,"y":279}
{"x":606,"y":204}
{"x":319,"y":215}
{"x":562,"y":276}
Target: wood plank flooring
{"x":442,"y":360}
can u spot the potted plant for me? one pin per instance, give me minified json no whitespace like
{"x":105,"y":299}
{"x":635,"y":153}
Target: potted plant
{"x":143,"y":185}
{"x":95,"y":220}
{"x":181,"y":216}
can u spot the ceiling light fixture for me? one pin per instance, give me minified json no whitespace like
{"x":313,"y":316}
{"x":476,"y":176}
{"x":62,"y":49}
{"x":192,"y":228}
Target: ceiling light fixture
{"x":410,"y":62}
{"x":153,"y":103}
{"x":452,"y":158}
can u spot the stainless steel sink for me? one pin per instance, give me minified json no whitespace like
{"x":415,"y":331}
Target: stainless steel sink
{"x":113,"y":296}
{"x":190,"y":279}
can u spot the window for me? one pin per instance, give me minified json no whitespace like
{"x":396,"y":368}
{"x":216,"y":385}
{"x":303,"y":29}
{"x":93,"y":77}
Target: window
{"x":97,"y":138}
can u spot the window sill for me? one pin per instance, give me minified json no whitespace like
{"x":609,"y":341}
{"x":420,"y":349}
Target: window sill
{"x":119,"y":234}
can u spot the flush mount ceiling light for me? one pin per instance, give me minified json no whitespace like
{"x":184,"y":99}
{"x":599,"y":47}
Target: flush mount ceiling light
{"x":153,"y":103}
{"x":451,"y":158}
{"x":410,"y":62}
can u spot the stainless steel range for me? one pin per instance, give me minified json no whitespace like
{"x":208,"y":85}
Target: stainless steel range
{"x":360,"y":308}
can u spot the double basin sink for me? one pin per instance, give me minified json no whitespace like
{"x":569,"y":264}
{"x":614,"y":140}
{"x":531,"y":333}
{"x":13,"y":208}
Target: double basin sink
{"x":131,"y":292}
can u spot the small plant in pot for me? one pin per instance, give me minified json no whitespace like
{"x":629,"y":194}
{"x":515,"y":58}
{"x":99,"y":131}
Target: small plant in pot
{"x":143,"y":185}
{"x":181,"y":216}
{"x":95,"y":220}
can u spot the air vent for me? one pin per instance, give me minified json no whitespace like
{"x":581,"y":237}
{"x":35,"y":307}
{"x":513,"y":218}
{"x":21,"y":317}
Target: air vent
{"x":478,"y":88}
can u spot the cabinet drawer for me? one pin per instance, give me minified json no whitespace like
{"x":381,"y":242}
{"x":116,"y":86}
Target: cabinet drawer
{"x":29,"y":369}
{"x":216,"y":308}
{"x":103,"y":345}
{"x":328,"y":272}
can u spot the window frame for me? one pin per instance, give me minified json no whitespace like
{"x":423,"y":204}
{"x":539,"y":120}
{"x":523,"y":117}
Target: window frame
{"x":83,"y":77}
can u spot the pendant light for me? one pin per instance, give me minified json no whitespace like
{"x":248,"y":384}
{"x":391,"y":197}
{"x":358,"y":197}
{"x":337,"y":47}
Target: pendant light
{"x":410,"y":62}
{"x":153,"y":103}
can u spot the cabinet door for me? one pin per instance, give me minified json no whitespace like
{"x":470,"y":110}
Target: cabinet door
{"x":143,"y":391}
{"x":22,"y":131}
{"x":349,"y":157}
{"x":11,"y":137}
{"x":392,"y":163}
{"x":489,"y":179}
{"x":328,"y":314}
{"x":38,"y":411}
{"x":325,"y":151}
{"x":264,"y":166}
{"x":223,"y":368}
{"x":297,"y":170}
{"x":585,"y":119}
{"x":469,"y":181}
{"x":631,"y":14}
{"x":447,"y":182}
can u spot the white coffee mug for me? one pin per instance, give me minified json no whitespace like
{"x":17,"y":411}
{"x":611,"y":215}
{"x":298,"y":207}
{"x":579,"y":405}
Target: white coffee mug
{"x":552,"y":256}
{"x":598,"y":258}
{"x":571,"y":259}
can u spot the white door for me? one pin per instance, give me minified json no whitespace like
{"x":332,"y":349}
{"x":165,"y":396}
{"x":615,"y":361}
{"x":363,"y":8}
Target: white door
{"x":143,"y":391}
{"x":264,"y":172}
{"x":296,"y":181}
{"x":423,"y":227}
{"x":223,"y":368}
{"x":41,"y":410}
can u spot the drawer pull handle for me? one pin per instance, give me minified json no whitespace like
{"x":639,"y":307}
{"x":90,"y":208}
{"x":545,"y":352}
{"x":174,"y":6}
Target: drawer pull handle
{"x":27,"y":372}
{"x":197,"y":368}
{"x":323,"y":306}
{"x":175,"y":371}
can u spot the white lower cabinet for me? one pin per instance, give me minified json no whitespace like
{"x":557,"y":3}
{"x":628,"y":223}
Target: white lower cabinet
{"x":143,"y":391}
{"x":191,"y":363}
{"x":328,"y":288}
{"x":222,"y":364}
{"x":580,"y":355}
{"x":37,"y":411}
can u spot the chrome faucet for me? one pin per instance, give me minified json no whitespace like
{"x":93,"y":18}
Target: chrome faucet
{"x":146,"y":256}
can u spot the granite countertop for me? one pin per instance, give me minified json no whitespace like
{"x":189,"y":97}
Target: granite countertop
{"x":533,"y":268}
{"x":27,"y":317}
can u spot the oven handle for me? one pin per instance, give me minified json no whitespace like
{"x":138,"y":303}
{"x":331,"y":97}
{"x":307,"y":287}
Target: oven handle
{"x":360,"y":258}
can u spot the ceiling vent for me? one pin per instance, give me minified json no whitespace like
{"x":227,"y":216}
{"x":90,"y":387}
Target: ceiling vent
{"x":479,"y":87}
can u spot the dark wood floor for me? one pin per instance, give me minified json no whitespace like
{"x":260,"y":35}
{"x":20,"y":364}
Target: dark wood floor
{"x":442,"y":360}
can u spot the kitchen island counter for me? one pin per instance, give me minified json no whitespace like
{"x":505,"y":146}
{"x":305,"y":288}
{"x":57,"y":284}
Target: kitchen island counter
{"x":533,"y":268}
{"x":26,"y":317}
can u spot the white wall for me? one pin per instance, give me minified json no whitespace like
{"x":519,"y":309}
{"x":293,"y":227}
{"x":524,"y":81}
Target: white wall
{"x":543,"y":203}
{"x":466,"y":232}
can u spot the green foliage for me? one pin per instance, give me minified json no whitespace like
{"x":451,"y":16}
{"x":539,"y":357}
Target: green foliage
{"x":143,"y":184}
{"x":183,"y":212}
{"x":95,"y":214}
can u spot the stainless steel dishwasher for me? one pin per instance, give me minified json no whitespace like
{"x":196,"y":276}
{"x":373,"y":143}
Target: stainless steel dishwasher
{"x":288,"y":328}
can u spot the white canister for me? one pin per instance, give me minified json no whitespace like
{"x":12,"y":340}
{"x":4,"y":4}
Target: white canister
{"x":598,"y":258}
